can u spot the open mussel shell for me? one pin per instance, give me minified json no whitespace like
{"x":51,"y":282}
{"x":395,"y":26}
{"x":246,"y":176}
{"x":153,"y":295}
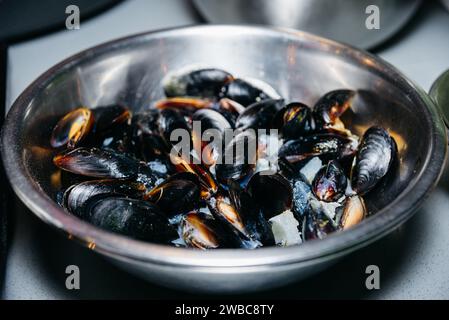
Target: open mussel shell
{"x":77,"y":197}
{"x":330,"y":182}
{"x":247,"y":92}
{"x":206,"y":82}
{"x":377,"y":152}
{"x":259,"y":115}
{"x":208,"y":131}
{"x":72,"y":128}
{"x":331,"y":106}
{"x":97,"y":163}
{"x":294,"y":120}
{"x":207,"y":182}
{"x":272,"y":192}
{"x":132,"y":217}
{"x":256,"y":226}
{"x":239,"y":158}
{"x":354,"y":211}
{"x":203,"y":232}
{"x":178,"y":194}
{"x":326,"y":146}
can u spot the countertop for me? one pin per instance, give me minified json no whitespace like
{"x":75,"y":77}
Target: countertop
{"x":413,"y":261}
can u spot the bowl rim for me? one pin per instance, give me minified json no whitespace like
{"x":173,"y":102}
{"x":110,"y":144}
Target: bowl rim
{"x":125,"y":248}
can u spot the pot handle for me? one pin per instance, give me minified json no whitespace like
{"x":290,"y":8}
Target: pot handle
{"x":439,"y":93}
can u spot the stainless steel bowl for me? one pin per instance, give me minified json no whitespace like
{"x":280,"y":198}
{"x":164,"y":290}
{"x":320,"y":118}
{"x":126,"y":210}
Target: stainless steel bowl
{"x":300,"y":66}
{"x":340,"y":20}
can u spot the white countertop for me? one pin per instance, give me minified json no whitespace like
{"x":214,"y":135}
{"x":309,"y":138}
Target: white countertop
{"x":414,"y":261}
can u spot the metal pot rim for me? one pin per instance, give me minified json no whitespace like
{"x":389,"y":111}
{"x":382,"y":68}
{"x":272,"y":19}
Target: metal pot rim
{"x":124,"y":248}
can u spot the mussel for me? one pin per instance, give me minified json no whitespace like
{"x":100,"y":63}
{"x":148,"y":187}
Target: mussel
{"x":97,"y":163}
{"x":206,"y":82}
{"x":147,"y":138}
{"x":72,"y":128}
{"x":246,"y":93}
{"x":272,"y":192}
{"x":259,"y":115}
{"x":331,"y":106}
{"x":330,"y":182}
{"x":203,"y":232}
{"x":170,"y":120}
{"x":238,"y":159}
{"x":135,"y":218}
{"x":317,"y":226}
{"x":294,"y":120}
{"x":354,"y":211}
{"x":326,"y":146}
{"x":208,"y":131}
{"x":374,"y":158}
{"x":178,"y":194}
{"x":77,"y":197}
{"x":110,"y":117}
{"x":230,"y":109}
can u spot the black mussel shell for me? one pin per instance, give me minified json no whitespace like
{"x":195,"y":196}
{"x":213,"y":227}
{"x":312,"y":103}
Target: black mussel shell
{"x":256,"y":226}
{"x":331,"y":106}
{"x":229,"y":109}
{"x":317,"y":226}
{"x":178,"y":194}
{"x":326,"y":146}
{"x":330,"y":182}
{"x":259,"y":115}
{"x":98,"y":163}
{"x":71,"y":129}
{"x":238,"y":159}
{"x":197,"y":83}
{"x":294,"y":121}
{"x":301,"y":195}
{"x":153,"y":172}
{"x":207,"y":182}
{"x":77,"y":197}
{"x":244,"y":92}
{"x":203,"y":232}
{"x":131,"y":217}
{"x":208,"y":131}
{"x":272,"y":192}
{"x":169,"y":121}
{"x":110,"y":117}
{"x":148,"y":142}
{"x":376,"y":154}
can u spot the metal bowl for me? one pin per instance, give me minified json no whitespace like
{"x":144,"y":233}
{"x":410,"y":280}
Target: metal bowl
{"x":300,"y":66}
{"x":340,"y":20}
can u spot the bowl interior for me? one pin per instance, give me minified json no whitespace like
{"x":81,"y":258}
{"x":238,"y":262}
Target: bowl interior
{"x":301,"y":67}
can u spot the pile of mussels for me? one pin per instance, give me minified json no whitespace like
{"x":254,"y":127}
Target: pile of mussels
{"x":117,"y":172}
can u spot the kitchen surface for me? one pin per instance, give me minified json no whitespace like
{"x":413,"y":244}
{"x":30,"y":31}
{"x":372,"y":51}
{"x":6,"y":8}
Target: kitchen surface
{"x":413,"y":261}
